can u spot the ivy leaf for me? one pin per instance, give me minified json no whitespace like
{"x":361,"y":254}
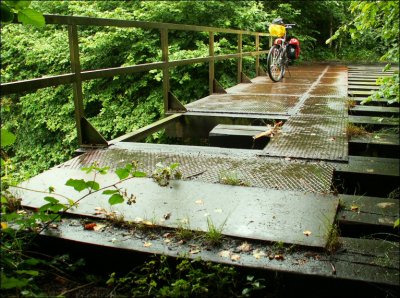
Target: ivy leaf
{"x":116,"y":199}
{"x":77,"y":184}
{"x":396,"y":223}
{"x":29,"y":16}
{"x":7,"y":138}
{"x":122,"y":173}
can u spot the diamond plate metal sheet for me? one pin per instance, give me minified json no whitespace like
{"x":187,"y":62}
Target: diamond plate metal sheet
{"x":253,"y":104}
{"x":324,"y":106}
{"x":313,"y":137}
{"x":202,"y":166}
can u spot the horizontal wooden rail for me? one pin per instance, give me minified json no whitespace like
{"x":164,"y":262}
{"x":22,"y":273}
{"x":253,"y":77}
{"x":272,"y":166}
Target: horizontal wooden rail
{"x":87,"y":134}
{"x":88,"y":21}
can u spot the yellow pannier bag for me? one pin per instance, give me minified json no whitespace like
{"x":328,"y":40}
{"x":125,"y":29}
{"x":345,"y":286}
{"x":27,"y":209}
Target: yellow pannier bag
{"x":277,"y":30}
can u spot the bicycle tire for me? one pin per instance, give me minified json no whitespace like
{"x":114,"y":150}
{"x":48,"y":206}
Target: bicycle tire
{"x":275,"y":64}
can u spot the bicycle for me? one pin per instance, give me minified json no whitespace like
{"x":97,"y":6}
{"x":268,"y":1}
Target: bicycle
{"x":278,"y":59}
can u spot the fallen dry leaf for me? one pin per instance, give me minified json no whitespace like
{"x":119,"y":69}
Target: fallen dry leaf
{"x":279,"y":257}
{"x":98,"y":227}
{"x":244,"y":247}
{"x":4,"y":225}
{"x":354,"y":208}
{"x":235,"y":257}
{"x":147,"y":223}
{"x":225,"y":253}
{"x":147,"y":244}
{"x":218,"y":210}
{"x":167,"y":241}
{"x":258,"y":253}
{"x":385,"y":205}
{"x":89,"y":226}
{"x":194,"y":251}
{"x":370,"y":170}
{"x":199,"y":202}
{"x":167,"y":216}
{"x":55,"y":226}
{"x":307,"y":233}
{"x":167,"y":235}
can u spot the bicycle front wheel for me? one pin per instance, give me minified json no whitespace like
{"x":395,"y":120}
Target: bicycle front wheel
{"x":275,"y":63}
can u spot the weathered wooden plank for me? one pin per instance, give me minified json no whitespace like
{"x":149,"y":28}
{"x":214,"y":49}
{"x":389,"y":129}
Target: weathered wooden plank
{"x":364,"y":210}
{"x":370,"y":166}
{"x":364,"y":110}
{"x":361,"y":87}
{"x":371,"y":120}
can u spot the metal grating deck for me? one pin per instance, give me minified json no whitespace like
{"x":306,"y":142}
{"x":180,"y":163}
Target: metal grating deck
{"x":201,"y":164}
{"x":310,"y":136}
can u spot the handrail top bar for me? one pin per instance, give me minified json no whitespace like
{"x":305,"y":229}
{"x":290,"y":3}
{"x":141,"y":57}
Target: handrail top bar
{"x":89,"y":21}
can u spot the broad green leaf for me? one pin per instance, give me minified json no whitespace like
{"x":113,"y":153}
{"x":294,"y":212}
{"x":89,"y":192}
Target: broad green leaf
{"x":122,"y":173}
{"x":110,"y":191}
{"x":174,"y":166}
{"x":12,"y":282}
{"x":77,"y":184}
{"x":32,"y":261}
{"x":51,"y":200}
{"x":116,"y":199}
{"x":93,"y":185}
{"x":7,"y":138}
{"x":396,"y":223}
{"x":139,"y":174}
{"x":28,"y":16}
{"x":29,"y":272}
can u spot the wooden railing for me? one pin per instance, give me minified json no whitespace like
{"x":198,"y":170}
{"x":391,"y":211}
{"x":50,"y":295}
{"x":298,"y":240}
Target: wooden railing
{"x":87,"y":134}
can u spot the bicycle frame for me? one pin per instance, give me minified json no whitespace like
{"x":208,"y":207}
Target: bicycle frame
{"x":278,"y":60}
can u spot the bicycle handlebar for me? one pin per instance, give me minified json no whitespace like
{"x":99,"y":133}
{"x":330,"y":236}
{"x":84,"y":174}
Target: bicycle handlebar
{"x":289,"y":25}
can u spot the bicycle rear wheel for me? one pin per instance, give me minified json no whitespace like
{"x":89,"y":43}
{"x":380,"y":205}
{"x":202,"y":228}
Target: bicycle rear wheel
{"x":275,"y":63}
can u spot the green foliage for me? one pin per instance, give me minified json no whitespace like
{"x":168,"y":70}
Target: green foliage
{"x":214,"y":234}
{"x":161,"y":277}
{"x":163,"y":174}
{"x":26,"y":15}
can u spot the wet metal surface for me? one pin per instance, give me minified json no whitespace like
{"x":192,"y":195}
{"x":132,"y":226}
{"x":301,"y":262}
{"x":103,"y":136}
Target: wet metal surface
{"x":207,"y":164}
{"x":310,"y":136}
{"x":252,"y":104}
{"x":256,"y":213}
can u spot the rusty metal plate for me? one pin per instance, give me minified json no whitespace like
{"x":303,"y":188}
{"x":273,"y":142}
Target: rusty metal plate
{"x":333,"y":81}
{"x":208,"y":163}
{"x":332,"y":91}
{"x":311,"y":136}
{"x":255,"y":104}
{"x":327,"y":106}
{"x":255,"y":213}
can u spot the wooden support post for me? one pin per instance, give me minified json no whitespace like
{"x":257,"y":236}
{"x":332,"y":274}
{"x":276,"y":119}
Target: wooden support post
{"x":164,"y":51}
{"x":211,"y":65}
{"x":87,"y":134}
{"x":77,"y":85}
{"x":240,"y":60}
{"x":258,"y":55}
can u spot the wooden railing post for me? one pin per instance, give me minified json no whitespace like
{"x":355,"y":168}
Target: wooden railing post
{"x":240,"y":59}
{"x":211,"y":65}
{"x":164,"y":53}
{"x":258,"y":55}
{"x":77,"y":85}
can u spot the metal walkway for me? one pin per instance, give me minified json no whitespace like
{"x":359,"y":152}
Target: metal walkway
{"x":313,"y":96}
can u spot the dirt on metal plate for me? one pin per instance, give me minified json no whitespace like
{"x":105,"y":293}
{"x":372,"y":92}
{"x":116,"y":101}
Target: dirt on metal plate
{"x":271,"y":215}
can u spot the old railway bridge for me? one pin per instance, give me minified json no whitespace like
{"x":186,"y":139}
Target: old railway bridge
{"x":298,"y":189}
